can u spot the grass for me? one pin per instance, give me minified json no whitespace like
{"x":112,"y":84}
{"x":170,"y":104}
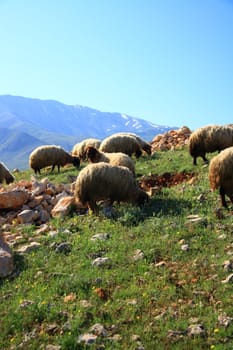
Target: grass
{"x":149,"y":302}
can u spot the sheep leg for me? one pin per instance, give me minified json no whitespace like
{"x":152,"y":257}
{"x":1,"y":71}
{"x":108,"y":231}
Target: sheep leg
{"x":138,"y":153}
{"x":37,"y":170}
{"x":52,"y":168}
{"x":231,"y":198}
{"x":223,"y":199}
{"x":205,"y":159}
{"x":194,"y":160}
{"x":92,"y":206}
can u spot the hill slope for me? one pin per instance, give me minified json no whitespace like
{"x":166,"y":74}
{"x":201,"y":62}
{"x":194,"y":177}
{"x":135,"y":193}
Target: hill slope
{"x":27,"y":122}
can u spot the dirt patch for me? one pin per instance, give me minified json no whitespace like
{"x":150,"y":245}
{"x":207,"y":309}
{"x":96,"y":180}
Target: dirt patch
{"x":165,"y":180}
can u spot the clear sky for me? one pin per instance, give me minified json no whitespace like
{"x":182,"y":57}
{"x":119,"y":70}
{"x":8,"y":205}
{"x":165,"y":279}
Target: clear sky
{"x":166,"y":61}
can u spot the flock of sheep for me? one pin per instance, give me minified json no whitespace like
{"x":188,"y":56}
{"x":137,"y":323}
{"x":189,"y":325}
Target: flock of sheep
{"x":110,"y":174}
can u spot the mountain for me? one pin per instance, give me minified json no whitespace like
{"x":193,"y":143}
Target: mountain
{"x":26,"y":123}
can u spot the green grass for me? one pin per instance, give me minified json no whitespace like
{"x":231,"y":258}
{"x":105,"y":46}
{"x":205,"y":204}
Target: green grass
{"x":53,"y":298}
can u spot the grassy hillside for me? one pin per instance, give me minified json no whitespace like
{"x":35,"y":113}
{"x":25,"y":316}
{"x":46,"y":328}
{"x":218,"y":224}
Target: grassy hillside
{"x":164,"y":285}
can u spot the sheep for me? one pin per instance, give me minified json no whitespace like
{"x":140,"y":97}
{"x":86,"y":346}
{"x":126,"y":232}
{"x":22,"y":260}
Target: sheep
{"x":5,"y":174}
{"x":116,"y":158}
{"x":145,"y":146}
{"x":221,"y":174}
{"x":208,"y":139}
{"x":103,"y":181}
{"x":46,"y":155}
{"x":80,"y":148}
{"x":121,"y":143}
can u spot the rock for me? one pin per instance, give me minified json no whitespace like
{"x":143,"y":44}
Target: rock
{"x":195,"y":220}
{"x":228,"y":265}
{"x":63,"y":206}
{"x":115,"y":337}
{"x":224,"y":320}
{"x":29,"y":248}
{"x":100,"y":236}
{"x":87,"y":338}
{"x":196,"y":330}
{"x":229,"y":279}
{"x":98,"y":329}
{"x":26,"y":303}
{"x":63,"y":248}
{"x":13,"y":199}
{"x":171,"y":139}
{"x":108,"y":212}
{"x":27,"y":216}
{"x":43,"y":216}
{"x":35,"y":201}
{"x":185,"y":247}
{"x":52,"y":347}
{"x":6,"y":258}
{"x":138,"y":255}
{"x":101,"y":261}
{"x":6,"y":263}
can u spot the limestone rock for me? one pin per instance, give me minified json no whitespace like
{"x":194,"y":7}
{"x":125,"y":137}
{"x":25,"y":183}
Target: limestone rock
{"x":27,"y":216}
{"x":13,"y":199}
{"x":63,"y":206}
{"x":6,"y":258}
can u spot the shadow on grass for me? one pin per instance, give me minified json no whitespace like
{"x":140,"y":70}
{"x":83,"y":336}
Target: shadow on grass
{"x":20,"y":264}
{"x":133,"y":216}
{"x":167,"y":206}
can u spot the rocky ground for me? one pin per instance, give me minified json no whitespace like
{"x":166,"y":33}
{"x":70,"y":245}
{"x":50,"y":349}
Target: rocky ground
{"x":36,"y":202}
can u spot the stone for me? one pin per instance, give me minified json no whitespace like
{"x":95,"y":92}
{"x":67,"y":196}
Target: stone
{"x":52,"y":347}
{"x":6,"y":258}
{"x":229,"y":279}
{"x":138,"y":255}
{"x":185,"y":247}
{"x":13,"y":199}
{"x":196,"y":330}
{"x":98,"y":329}
{"x":225,"y":320}
{"x":63,"y":206}
{"x":27,"y":216}
{"x":100,"y":236}
{"x":87,"y":338}
{"x":43,"y":216}
{"x":101,"y":261}
{"x":63,"y":248}
{"x":29,"y":248}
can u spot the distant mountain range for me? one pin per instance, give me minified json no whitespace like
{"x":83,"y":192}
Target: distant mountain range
{"x":26,"y":123}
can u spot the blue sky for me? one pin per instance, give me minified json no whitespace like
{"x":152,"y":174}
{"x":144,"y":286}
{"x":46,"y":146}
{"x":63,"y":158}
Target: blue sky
{"x":166,"y":61}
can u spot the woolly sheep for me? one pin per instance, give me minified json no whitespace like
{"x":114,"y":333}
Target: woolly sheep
{"x":80,"y":148}
{"x":209,"y":139}
{"x":5,"y":174}
{"x":103,"y":181}
{"x":116,"y":158}
{"x":47,"y":155}
{"x":221,"y":174}
{"x":121,"y":143}
{"x":145,"y":146}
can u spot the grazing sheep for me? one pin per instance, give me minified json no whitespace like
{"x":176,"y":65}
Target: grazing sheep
{"x":145,"y":146}
{"x":5,"y":174}
{"x":116,"y":158}
{"x":47,"y":155}
{"x":209,"y":139}
{"x":80,"y":148}
{"x":121,"y":143}
{"x":221,"y":174}
{"x":103,"y":181}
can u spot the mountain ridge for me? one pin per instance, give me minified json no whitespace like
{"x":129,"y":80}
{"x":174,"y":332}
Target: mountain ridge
{"x":29,"y":122}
